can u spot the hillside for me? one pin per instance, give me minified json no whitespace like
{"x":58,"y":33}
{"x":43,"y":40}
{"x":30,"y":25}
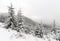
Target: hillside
{"x":27,"y":21}
{"x":30,"y":23}
{"x":10,"y":35}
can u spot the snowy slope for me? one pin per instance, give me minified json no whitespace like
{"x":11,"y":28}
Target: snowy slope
{"x":9,"y":35}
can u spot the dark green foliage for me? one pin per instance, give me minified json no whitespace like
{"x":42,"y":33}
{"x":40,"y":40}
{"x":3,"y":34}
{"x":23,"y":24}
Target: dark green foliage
{"x":39,"y":33}
{"x":8,"y":26}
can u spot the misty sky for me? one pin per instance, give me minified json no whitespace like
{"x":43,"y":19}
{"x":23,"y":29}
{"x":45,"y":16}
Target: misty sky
{"x":45,"y":10}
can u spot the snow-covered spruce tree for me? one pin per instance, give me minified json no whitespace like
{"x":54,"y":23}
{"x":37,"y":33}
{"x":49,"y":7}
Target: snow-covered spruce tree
{"x":39,"y":32}
{"x":11,"y":20}
{"x":20,"y":20}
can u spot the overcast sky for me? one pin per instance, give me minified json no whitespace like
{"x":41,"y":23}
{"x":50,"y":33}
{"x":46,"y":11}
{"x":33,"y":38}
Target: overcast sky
{"x":46,"y":10}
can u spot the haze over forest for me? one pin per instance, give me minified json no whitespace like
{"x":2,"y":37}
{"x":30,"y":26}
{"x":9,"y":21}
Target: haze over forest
{"x":37,"y":10}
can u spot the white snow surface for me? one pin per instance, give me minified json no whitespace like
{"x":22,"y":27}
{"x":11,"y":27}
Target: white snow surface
{"x":11,"y":35}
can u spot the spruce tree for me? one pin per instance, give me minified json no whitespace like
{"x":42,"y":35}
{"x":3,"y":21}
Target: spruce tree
{"x":20,"y":20}
{"x":11,"y":20}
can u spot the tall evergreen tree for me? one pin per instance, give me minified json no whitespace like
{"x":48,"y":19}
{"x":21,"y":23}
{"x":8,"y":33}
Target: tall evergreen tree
{"x":20,"y":20}
{"x":11,"y":20}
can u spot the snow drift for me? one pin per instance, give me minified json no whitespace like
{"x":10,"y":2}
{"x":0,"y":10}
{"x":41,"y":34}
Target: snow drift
{"x":11,"y":35}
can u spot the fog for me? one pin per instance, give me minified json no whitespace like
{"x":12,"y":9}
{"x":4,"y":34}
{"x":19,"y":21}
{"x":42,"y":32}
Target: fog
{"x":44,"y":10}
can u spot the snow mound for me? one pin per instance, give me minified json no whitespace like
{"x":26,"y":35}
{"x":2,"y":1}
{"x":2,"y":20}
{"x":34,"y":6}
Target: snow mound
{"x":11,"y":35}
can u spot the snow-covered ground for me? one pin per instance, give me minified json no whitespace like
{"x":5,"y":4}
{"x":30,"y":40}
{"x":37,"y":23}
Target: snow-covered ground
{"x":11,"y":35}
